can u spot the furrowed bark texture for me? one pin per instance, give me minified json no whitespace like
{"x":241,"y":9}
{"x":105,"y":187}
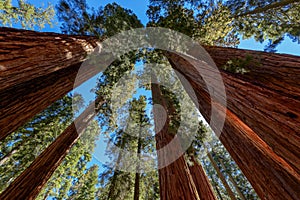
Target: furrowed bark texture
{"x":201,"y":181}
{"x":31,"y":181}
{"x":25,"y":55}
{"x":276,"y":72}
{"x":36,"y":69}
{"x":261,"y":129}
{"x":175,"y":179}
{"x":258,"y":132}
{"x":21,"y":103}
{"x":269,"y":112}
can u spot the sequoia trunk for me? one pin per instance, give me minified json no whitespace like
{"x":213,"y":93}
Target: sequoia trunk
{"x":260,"y":125}
{"x":175,"y":179}
{"x":201,"y":181}
{"x":31,"y":181}
{"x":36,"y":69}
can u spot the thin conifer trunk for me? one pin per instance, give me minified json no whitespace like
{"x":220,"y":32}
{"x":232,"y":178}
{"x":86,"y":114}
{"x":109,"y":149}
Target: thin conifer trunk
{"x":271,"y":6}
{"x":116,"y":173}
{"x":241,"y":195}
{"x":137,"y":174}
{"x":221,"y":176}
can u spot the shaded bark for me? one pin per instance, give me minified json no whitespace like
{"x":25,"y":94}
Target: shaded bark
{"x":36,"y":69}
{"x":221,"y":176}
{"x":31,"y":181}
{"x":21,"y":103}
{"x":274,"y":71}
{"x":268,"y":112}
{"x":175,"y":179}
{"x":258,"y":127}
{"x":201,"y":181}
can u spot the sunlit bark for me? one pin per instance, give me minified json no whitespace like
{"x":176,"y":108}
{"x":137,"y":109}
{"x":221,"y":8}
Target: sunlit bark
{"x":261,"y":125}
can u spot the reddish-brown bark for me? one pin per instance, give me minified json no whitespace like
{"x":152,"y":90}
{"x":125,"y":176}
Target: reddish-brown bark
{"x":259,"y":135}
{"x":26,"y":55}
{"x":201,"y":181}
{"x":21,"y":103}
{"x":37,"y":69}
{"x":175,"y":179}
{"x":31,"y":181}
{"x":261,"y":129}
{"x":271,"y":114}
{"x":274,"y":71}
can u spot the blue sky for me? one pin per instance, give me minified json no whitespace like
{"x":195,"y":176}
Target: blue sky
{"x":139,"y":8}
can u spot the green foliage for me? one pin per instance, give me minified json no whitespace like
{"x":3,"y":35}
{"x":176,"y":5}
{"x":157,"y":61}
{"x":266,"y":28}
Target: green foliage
{"x":19,"y":149}
{"x":26,"y":14}
{"x":77,"y":18}
{"x":85,"y":187}
{"x":207,"y":23}
{"x":220,"y":22}
{"x":203,"y":135}
{"x":134,"y":137}
{"x":263,"y":20}
{"x":219,"y":152}
{"x":116,"y":184}
{"x":69,"y":177}
{"x":239,"y":65}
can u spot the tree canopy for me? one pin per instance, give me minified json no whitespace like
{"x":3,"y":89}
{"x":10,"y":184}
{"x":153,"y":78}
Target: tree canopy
{"x":215,"y":22}
{"x":25,"y":14}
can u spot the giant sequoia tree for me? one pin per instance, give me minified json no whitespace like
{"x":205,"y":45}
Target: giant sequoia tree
{"x":24,"y":145}
{"x":261,"y":124}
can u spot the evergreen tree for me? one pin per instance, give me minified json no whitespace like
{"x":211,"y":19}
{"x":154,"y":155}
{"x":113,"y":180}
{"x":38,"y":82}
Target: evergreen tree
{"x":85,"y":186}
{"x":25,"y":13}
{"x":215,"y":25}
{"x":220,"y":22}
{"x":73,"y":167}
{"x":20,"y":148}
{"x":204,"y":22}
{"x":232,"y":175}
{"x":226,"y":181}
{"x":77,"y":18}
{"x":115,"y":183}
{"x":135,"y":138}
